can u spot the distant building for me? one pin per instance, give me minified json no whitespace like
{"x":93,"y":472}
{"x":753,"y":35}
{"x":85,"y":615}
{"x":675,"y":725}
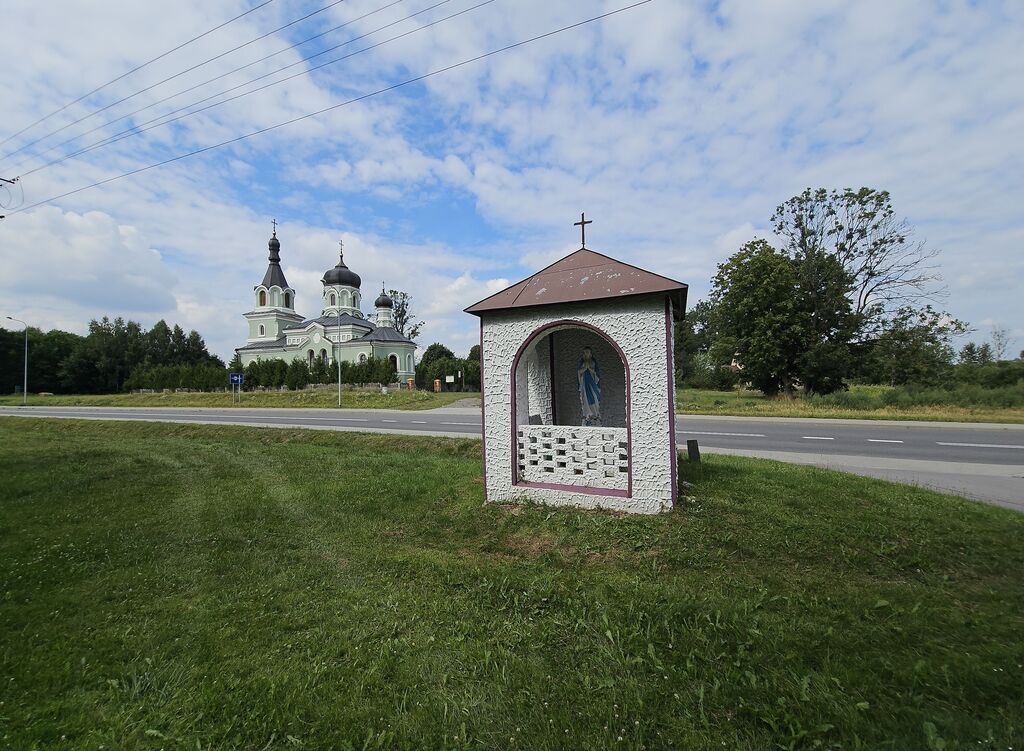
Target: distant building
{"x":276,"y":331}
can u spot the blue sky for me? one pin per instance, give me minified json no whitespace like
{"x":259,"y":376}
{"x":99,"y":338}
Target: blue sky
{"x":676,"y":126}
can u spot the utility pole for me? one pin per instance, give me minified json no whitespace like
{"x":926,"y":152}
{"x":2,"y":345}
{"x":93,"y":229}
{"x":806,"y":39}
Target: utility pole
{"x":24,"y":386}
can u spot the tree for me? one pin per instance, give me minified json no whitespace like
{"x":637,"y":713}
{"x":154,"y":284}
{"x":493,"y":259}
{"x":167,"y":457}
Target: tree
{"x":474,"y":353}
{"x":787,"y":319}
{"x":914,"y":347}
{"x":887,"y":267}
{"x":297,"y":375}
{"x":1000,"y":341}
{"x":402,"y":315}
{"x":756,"y":315}
{"x":693,"y":336}
{"x":435,"y":351}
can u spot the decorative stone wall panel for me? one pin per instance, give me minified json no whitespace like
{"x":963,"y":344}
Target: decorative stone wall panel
{"x":569,"y":455}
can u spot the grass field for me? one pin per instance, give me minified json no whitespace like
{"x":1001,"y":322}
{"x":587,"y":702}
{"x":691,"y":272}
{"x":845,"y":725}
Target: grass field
{"x":312,"y":398}
{"x":201,"y":587}
{"x":859,"y":403}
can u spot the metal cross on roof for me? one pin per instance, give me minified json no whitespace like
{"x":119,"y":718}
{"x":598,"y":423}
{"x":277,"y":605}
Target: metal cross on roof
{"x":341,"y":248}
{"x":274,"y":222}
{"x":582,"y":224}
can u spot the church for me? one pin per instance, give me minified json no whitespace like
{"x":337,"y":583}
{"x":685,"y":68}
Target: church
{"x":276,"y":331}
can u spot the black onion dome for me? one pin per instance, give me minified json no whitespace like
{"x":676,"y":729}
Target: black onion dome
{"x":342,"y":274}
{"x":384,"y":301}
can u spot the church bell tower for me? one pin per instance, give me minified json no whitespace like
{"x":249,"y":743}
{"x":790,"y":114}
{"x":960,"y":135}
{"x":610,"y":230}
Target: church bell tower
{"x":274,"y":299}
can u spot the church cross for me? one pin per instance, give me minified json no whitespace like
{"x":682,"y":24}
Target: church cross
{"x":582,"y":224}
{"x":341,"y":248}
{"x":274,"y":222}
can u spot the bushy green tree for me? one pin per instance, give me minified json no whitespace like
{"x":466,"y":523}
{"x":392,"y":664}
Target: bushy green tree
{"x":297,"y":375}
{"x":693,"y":336}
{"x":322,"y":372}
{"x":787,"y":319}
{"x":435,"y":351}
{"x":46,"y":353}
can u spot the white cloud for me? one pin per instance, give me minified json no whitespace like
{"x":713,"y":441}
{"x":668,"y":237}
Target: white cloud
{"x":677,"y":128}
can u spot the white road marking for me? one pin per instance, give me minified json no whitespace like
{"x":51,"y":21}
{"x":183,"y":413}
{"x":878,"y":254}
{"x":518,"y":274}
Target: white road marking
{"x":473,"y":424}
{"x":389,"y":420}
{"x":418,"y":422}
{"x":817,"y":438}
{"x":881,"y":440}
{"x":738,"y":435}
{"x":982,"y":445}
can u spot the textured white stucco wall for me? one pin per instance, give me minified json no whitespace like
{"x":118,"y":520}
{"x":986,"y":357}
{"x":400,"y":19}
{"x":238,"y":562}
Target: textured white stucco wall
{"x":637,"y":325}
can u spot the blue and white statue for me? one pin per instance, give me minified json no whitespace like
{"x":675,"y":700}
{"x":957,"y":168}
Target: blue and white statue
{"x":588,"y":373}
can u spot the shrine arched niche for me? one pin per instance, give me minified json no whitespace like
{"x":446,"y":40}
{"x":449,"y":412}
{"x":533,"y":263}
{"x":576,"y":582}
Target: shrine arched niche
{"x":570,"y":387}
{"x":562,"y":369}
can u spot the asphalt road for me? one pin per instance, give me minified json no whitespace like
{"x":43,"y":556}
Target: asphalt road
{"x":982,"y":461}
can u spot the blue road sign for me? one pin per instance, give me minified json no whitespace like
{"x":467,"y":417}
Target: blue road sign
{"x":237,"y":379}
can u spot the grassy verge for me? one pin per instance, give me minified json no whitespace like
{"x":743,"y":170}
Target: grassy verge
{"x":182,"y":587}
{"x":312,"y":398}
{"x":860,"y":403}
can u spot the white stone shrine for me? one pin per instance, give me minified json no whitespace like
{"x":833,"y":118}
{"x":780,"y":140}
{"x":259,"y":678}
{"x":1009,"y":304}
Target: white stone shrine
{"x":578,"y":386}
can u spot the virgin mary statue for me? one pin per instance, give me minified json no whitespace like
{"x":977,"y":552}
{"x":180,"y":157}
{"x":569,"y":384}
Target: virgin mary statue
{"x":588,"y":373}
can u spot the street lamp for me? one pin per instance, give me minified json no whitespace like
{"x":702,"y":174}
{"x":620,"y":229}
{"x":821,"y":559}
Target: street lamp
{"x":337,"y":356}
{"x":24,"y":386}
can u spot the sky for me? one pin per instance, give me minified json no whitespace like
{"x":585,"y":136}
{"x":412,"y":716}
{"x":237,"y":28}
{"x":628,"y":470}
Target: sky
{"x":677,"y":127}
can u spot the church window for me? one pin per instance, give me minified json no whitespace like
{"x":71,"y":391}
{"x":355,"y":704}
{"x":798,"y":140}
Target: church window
{"x":323,"y":356}
{"x":263,"y":330}
{"x":334,"y":300}
{"x":362,"y":358}
{"x":311,"y":356}
{"x":287,"y":299}
{"x":408,"y":362}
{"x":263,"y":298}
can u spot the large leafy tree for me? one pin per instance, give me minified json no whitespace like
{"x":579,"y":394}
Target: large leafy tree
{"x":787,"y":319}
{"x":756,"y":316}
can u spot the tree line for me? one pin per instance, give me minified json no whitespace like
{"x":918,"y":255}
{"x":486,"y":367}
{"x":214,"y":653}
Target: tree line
{"x":115,"y":355}
{"x":846,"y":295}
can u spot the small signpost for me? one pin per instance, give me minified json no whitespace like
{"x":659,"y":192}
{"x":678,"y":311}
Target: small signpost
{"x":236,"y":380}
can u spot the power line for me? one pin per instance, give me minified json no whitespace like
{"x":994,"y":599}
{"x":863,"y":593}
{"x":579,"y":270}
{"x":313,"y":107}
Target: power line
{"x":198,"y":86}
{"x":171,"y":78}
{"x":136,"y":68}
{"x":151,"y":124}
{"x":347,"y":102}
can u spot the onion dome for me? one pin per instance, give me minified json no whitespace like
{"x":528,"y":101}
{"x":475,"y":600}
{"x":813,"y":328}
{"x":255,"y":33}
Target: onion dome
{"x":342,"y":274}
{"x":384,"y":301}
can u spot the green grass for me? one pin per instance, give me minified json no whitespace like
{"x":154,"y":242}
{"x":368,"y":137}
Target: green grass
{"x":312,"y":398}
{"x":859,"y":403}
{"x":202,"y":587}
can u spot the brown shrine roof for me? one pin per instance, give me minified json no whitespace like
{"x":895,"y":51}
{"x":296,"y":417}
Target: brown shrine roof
{"x":582,"y":276}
